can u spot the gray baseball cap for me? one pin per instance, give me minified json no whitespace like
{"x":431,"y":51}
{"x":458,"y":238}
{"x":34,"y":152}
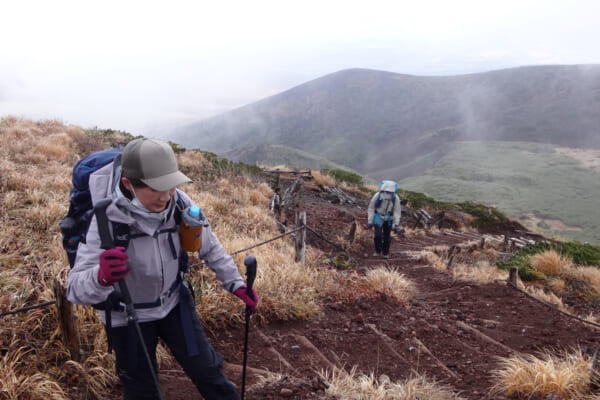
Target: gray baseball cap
{"x":153,"y":162}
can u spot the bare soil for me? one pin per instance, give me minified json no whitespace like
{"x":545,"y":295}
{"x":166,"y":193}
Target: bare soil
{"x":452,"y":332}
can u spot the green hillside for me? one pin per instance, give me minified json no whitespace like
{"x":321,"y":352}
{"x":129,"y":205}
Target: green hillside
{"x":546,"y":191}
{"x":281,"y":155}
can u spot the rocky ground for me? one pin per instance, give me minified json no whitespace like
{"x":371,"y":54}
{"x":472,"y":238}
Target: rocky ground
{"x":452,"y":332}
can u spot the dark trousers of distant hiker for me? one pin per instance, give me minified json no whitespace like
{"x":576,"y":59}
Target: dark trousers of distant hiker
{"x":383,"y":237}
{"x":204,"y":369}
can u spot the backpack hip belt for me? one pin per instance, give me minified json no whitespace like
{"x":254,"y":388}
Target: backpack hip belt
{"x":118,"y":305}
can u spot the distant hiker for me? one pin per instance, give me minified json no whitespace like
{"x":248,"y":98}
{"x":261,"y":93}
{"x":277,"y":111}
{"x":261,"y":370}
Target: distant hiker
{"x":384,"y":213}
{"x":276,"y":203}
{"x":144,"y":211}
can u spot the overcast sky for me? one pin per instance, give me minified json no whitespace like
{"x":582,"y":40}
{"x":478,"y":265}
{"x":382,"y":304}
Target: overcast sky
{"x":142,"y":66}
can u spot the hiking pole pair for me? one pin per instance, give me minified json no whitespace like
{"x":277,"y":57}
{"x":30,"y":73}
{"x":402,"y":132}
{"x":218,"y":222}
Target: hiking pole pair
{"x":108,"y":243}
{"x":250,"y":263}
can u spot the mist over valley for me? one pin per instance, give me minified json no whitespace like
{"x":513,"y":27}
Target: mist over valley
{"x":386,"y":125}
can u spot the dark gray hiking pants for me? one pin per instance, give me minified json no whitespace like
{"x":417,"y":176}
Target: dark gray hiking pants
{"x":383,"y":238}
{"x":204,"y":369}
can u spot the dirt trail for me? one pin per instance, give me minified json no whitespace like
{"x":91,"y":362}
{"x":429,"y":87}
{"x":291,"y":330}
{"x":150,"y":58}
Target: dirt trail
{"x":451,"y":331}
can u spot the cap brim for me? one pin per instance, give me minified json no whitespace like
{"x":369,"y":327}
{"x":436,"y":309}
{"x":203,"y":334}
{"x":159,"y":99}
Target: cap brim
{"x":167,"y":182}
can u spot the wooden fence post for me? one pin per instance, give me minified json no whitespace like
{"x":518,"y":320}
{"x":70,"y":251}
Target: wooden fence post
{"x":300,"y":236}
{"x":67,"y":321}
{"x":513,"y":275}
{"x":352,"y":233}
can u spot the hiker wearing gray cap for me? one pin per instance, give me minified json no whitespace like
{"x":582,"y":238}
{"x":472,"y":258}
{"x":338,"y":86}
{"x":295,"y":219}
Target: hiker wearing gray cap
{"x":144,"y":209}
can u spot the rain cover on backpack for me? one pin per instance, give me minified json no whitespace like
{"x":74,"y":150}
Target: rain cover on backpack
{"x":388,"y":186}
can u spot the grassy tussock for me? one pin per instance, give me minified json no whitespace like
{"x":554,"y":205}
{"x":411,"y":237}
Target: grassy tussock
{"x":323,"y":179}
{"x":556,"y":285}
{"x":546,"y":297}
{"x":433,"y":259}
{"x":389,"y":284}
{"x":354,"y":386}
{"x":588,"y":275}
{"x":19,"y":385}
{"x":563,"y":275}
{"x":550,"y":263}
{"x":95,"y":374}
{"x":565,"y":376}
{"x":482,"y":272}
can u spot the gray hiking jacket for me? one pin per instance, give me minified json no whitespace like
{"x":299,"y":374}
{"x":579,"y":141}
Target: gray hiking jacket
{"x":154,"y":268}
{"x":387,"y":206}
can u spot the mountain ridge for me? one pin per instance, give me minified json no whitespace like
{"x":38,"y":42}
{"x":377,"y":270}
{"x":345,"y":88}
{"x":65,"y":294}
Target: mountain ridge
{"x":376,"y":121}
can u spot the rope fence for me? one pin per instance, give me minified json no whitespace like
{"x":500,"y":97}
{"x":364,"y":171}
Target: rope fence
{"x":267,"y":241}
{"x":552,"y":306}
{"x":28,"y":308}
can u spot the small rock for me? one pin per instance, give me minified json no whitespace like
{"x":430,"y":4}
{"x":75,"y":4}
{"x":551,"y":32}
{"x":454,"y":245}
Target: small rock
{"x":285,"y":392}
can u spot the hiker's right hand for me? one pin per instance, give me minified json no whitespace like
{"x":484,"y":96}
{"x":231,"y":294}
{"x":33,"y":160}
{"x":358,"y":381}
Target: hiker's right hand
{"x":112,"y":266}
{"x":369,"y":226}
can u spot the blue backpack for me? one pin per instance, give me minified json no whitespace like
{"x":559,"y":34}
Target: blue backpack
{"x":377,"y":220}
{"x":75,"y":224}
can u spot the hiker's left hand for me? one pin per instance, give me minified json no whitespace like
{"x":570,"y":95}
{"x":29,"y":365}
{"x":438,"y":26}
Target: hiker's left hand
{"x":396,"y":229}
{"x":251,"y":303}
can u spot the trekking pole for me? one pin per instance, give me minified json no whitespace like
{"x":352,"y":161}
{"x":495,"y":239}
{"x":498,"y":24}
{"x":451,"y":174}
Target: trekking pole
{"x":132,"y":318}
{"x":250,"y":263}
{"x":108,"y":243}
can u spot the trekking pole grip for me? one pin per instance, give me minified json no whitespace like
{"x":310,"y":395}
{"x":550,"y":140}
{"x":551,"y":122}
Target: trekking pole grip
{"x":250,"y":263}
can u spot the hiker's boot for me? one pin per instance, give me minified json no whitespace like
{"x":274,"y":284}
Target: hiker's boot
{"x":376,"y":254}
{"x":386,"y":256}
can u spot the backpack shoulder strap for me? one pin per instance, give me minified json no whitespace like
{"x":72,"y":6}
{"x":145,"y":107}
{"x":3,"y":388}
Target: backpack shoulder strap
{"x":178,"y":208}
{"x":121,"y":231}
{"x":106,"y":240}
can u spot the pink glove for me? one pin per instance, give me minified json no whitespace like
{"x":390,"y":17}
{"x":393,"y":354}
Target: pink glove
{"x":241,"y":293}
{"x":112,"y":266}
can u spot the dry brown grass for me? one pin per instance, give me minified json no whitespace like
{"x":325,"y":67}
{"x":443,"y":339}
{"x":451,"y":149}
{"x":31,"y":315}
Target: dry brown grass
{"x":550,"y":263}
{"x":390,"y":284}
{"x":482,"y":272}
{"x":354,"y":386}
{"x":323,"y":179}
{"x":36,"y":159}
{"x":564,"y":376}
{"x":589,"y":275}
{"x":564,"y":275}
{"x":547,"y":297}
{"x":557,"y":285}
{"x":433,"y":259}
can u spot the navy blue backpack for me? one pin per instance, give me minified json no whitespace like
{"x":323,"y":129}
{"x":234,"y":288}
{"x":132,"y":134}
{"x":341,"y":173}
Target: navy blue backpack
{"x":75,"y":224}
